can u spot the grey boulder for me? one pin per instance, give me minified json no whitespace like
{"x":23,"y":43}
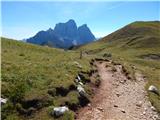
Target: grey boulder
{"x":153,"y":89}
{"x":58,"y":111}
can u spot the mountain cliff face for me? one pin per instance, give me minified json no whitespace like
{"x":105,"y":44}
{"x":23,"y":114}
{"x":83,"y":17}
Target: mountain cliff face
{"x":66,"y":30}
{"x":64,"y":35}
{"x":84,"y":34}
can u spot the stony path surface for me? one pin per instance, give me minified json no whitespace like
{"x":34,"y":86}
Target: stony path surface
{"x":118,"y":98}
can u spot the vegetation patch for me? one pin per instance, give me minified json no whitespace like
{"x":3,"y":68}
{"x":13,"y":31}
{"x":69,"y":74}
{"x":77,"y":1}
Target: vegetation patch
{"x":151,"y":57}
{"x":36,"y":77}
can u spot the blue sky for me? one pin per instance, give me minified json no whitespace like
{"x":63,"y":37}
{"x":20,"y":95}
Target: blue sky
{"x":24,"y":19}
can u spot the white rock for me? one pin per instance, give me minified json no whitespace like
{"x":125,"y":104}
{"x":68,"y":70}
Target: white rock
{"x":89,"y":105}
{"x":123,"y":111}
{"x":75,"y":62}
{"x":79,"y":78}
{"x":78,"y":65}
{"x":121,"y":81}
{"x":144,"y":113}
{"x":153,"y":108}
{"x":58,"y":111}
{"x":66,"y":74}
{"x":139,"y":104}
{"x":152,"y":88}
{"x":81,"y":90}
{"x":117,"y":94}
{"x":100,"y":109}
{"x":155,"y":117}
{"x":80,"y":83}
{"x":145,"y":109}
{"x":76,"y":81}
{"x":3,"y":100}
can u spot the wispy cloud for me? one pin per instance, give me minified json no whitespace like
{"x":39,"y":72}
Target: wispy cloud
{"x":115,"y":5}
{"x":99,"y":34}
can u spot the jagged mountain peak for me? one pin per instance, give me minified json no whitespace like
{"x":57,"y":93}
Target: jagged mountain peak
{"x":64,"y":35}
{"x":71,"y":21}
{"x":84,"y":25}
{"x":50,"y":30}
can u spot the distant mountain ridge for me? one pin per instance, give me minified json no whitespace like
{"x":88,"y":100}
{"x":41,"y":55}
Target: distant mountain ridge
{"x":64,"y":35}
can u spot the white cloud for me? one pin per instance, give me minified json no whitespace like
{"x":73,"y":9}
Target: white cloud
{"x":99,"y":34}
{"x":116,"y":5}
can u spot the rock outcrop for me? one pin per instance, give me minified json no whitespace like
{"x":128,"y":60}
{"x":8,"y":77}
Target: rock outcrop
{"x":153,"y":89}
{"x":84,"y":34}
{"x":58,"y":111}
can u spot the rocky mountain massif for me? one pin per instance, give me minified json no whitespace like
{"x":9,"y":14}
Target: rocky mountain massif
{"x":64,"y":35}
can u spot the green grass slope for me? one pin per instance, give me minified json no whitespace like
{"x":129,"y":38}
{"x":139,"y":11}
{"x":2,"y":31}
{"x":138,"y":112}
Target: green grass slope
{"x":34,"y":78}
{"x":129,"y":45}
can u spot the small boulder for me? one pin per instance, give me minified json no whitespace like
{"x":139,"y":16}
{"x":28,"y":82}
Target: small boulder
{"x":3,"y":101}
{"x":58,"y":111}
{"x":153,"y":89}
{"x":81,"y":90}
{"x":123,"y":111}
{"x":122,"y":81}
{"x":77,"y":64}
{"x":139,"y":104}
{"x":145,"y":109}
{"x":144,"y":113}
{"x":155,"y":117}
{"x":80,"y":83}
{"x":79,"y":79}
{"x":153,"y":108}
{"x":76,"y":80}
{"x":89,"y":105}
{"x":100,"y":109}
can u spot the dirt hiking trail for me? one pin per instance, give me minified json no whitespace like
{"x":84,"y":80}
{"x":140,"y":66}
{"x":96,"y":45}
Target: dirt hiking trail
{"x":118,"y":97}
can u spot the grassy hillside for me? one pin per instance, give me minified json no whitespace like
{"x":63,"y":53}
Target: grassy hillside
{"x":137,"y":44}
{"x":35,"y":78}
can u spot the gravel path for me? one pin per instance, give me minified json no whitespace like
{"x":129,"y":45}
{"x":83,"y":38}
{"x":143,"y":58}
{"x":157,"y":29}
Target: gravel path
{"x":118,"y":98}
